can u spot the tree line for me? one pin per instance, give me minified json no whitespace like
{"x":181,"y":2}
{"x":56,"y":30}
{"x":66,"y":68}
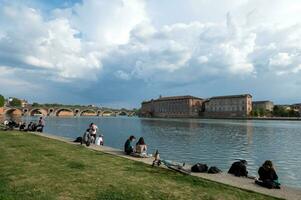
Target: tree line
{"x":278,"y":111}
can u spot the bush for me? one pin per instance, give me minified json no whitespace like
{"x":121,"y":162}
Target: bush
{"x":15,"y":102}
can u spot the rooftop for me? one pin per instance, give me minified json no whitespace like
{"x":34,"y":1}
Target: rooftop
{"x":173,"y":98}
{"x":231,"y":96}
{"x":262,"y":102}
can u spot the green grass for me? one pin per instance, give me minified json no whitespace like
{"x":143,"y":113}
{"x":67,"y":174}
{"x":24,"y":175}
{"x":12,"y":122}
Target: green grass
{"x":34,"y":167}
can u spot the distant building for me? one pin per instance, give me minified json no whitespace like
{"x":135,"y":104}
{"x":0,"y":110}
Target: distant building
{"x":297,"y":107}
{"x":265,"y":105}
{"x":176,"y":106}
{"x":24,"y":103}
{"x":228,"y":106}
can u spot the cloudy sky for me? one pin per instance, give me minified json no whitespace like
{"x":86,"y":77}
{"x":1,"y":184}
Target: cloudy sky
{"x":120,"y":52}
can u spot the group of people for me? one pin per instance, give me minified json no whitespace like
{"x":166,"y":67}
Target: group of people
{"x":90,"y":136}
{"x":139,"y":149}
{"x":267,"y":174}
{"x":32,"y":126}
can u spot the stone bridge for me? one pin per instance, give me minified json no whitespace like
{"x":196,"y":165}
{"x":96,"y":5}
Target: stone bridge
{"x":65,"y":111}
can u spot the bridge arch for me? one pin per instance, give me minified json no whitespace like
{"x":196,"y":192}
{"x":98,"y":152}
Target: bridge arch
{"x":50,"y":111}
{"x":25,"y":111}
{"x":38,"y":111}
{"x":64,"y":112}
{"x":99,"y":112}
{"x":13,"y":112}
{"x":76,"y":112}
{"x":88,"y":112}
{"x":122,"y":113}
{"x":107,"y":113}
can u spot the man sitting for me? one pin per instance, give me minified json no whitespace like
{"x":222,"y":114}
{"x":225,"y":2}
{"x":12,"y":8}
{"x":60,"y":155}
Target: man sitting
{"x":128,"y":147}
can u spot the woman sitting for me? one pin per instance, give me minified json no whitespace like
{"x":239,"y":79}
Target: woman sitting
{"x":141,"y":147}
{"x":267,"y":176}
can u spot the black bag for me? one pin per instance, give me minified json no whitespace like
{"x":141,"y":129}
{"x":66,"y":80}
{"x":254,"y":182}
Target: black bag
{"x":239,"y":168}
{"x":199,"y":167}
{"x":78,"y":139}
{"x":214,"y":170}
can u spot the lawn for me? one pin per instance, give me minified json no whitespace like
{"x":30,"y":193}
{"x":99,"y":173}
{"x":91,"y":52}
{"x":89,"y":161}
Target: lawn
{"x":34,"y":167}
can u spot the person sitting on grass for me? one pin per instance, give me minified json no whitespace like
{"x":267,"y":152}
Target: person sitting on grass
{"x":29,"y":126}
{"x":22,"y":127}
{"x":128,"y":147}
{"x":141,"y":147}
{"x":267,"y":176}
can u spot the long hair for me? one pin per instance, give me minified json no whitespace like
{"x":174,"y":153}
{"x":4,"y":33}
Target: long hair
{"x":141,"y":141}
{"x":268,"y":165}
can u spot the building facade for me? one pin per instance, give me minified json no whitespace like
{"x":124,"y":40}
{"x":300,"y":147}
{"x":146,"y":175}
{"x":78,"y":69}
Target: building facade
{"x":265,"y":105}
{"x":228,"y":106}
{"x":176,"y":106}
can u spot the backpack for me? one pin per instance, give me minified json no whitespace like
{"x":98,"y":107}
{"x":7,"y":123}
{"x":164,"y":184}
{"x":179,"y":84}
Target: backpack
{"x":78,"y":139}
{"x":199,"y":168}
{"x":214,"y":170}
{"x":239,"y":168}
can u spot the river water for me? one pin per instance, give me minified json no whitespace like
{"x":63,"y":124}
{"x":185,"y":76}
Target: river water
{"x":215,"y":142}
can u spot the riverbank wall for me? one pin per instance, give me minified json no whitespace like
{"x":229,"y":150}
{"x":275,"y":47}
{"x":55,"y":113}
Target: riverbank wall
{"x":224,"y":178}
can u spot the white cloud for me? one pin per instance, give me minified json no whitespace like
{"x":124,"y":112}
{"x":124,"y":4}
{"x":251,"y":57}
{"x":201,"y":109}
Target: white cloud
{"x":105,"y":22}
{"x":186,"y":41}
{"x":285,"y":63}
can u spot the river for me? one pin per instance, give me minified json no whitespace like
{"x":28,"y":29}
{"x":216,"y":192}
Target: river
{"x":214,"y":142}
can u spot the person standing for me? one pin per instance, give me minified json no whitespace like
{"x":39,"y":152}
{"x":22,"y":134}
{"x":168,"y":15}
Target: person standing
{"x":93,"y":131}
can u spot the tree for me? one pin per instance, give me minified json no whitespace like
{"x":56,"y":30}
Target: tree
{"x":35,"y":104}
{"x":2,"y":100}
{"x":15,"y":102}
{"x":254,"y":113}
{"x":262,"y":112}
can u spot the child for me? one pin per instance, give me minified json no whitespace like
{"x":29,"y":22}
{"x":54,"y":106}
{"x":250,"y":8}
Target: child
{"x":99,"y":140}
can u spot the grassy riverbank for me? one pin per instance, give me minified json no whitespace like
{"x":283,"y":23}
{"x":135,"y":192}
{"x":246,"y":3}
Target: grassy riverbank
{"x":33,"y":167}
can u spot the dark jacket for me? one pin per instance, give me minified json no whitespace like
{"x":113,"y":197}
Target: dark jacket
{"x":238,"y":168}
{"x":267,"y":174}
{"x":128,"y":148}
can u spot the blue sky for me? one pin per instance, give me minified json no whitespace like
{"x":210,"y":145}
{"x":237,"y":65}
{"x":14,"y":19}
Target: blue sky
{"x":120,"y":52}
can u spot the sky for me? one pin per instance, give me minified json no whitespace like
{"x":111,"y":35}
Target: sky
{"x":118,"y":53}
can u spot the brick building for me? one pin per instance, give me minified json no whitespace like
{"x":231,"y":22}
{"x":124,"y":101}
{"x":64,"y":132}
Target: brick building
{"x":176,"y":106}
{"x":228,"y":106}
